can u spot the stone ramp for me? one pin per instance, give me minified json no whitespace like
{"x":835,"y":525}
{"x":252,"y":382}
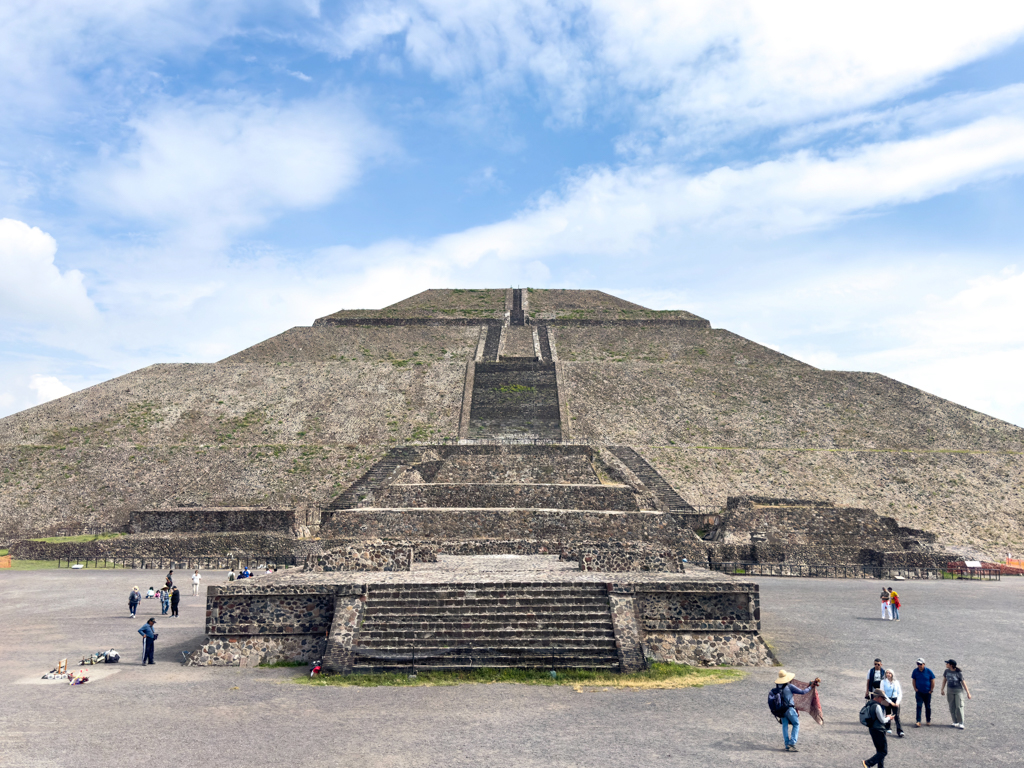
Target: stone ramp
{"x":518,"y":624}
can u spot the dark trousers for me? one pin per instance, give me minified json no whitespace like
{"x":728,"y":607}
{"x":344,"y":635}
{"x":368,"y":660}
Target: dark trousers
{"x":148,"y":653}
{"x":895,"y":712}
{"x":881,"y":748}
{"x":926,"y":699}
{"x":174,"y":609}
{"x":132,"y":607}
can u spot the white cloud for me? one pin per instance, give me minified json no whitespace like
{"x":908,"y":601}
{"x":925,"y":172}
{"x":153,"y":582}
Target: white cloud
{"x":48,"y":388}
{"x":33,"y":289}
{"x":231,"y":165}
{"x":706,"y":63}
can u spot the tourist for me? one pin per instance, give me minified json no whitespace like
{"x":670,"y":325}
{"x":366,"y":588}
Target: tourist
{"x":954,"y":677}
{"x":894,"y":692}
{"x":150,"y":593}
{"x":175,"y":599}
{"x":875,"y":677}
{"x":923,"y":680}
{"x":886,"y":608}
{"x":169,"y":582}
{"x":134,"y":597}
{"x":148,"y":640}
{"x":165,"y":600}
{"x":790,"y":717}
{"x":878,"y":724}
{"x":196,"y":578}
{"x":231,"y":575}
{"x":894,"y":604}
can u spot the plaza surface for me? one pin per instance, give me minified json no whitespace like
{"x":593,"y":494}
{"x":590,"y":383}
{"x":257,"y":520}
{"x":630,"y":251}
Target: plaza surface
{"x":178,"y":716}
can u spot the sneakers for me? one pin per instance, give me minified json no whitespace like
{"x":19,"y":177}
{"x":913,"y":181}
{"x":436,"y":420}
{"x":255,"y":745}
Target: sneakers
{"x":960,"y":726}
{"x":793,"y":749}
{"x":888,"y":733}
{"x":901,"y":734}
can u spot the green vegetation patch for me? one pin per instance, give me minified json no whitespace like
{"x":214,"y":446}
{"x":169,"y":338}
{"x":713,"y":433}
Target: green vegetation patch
{"x":515,"y":388}
{"x":76,"y":539}
{"x":658,"y":676}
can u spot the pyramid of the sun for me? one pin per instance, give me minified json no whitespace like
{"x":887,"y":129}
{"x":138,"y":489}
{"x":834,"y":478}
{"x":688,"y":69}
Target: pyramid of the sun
{"x":294,"y":421}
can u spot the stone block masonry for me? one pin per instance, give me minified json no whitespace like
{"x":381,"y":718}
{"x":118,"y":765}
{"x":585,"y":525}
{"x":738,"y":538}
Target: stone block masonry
{"x":221,"y":520}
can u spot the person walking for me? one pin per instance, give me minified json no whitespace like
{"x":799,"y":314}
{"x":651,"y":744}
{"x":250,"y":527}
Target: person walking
{"x":875,"y":677}
{"x":886,"y":608}
{"x":878,"y":723}
{"x":196,"y":578}
{"x":165,"y":601}
{"x":894,"y":604}
{"x":894,"y":692}
{"x":175,"y":599}
{"x":923,"y":680}
{"x":148,"y":640}
{"x":133,"y":601}
{"x":953,"y":676}
{"x":790,"y":717}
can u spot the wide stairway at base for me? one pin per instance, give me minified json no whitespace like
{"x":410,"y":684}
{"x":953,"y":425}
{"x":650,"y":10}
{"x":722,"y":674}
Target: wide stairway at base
{"x":512,"y":624}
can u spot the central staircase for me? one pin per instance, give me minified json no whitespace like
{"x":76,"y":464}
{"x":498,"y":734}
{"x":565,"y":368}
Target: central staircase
{"x":519,"y":624}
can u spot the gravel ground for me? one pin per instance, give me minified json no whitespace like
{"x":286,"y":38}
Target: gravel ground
{"x":177,"y":716}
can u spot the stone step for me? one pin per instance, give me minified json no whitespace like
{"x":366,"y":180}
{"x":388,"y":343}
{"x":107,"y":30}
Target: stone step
{"x":510,"y":663}
{"x":505,"y":629}
{"x":525,"y":638}
{"x":650,"y":477}
{"x":439,"y":649}
{"x":400,"y":608}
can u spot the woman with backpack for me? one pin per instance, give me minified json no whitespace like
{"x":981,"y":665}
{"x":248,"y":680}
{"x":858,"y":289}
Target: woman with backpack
{"x":873,"y":716}
{"x":780,"y":702}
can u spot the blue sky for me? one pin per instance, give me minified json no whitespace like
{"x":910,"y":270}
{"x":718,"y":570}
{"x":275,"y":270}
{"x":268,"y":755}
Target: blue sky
{"x":843,"y":183}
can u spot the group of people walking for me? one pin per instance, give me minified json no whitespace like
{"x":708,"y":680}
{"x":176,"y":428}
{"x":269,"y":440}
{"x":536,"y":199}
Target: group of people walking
{"x":885,"y":695}
{"x":169,"y":597}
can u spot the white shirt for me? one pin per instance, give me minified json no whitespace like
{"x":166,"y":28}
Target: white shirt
{"x":893,"y":690}
{"x":195,"y":578}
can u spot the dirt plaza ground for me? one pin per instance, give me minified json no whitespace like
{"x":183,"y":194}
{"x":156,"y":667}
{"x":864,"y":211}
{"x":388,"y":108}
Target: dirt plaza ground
{"x":180,"y":717}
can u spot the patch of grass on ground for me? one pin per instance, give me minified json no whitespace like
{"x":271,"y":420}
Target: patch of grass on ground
{"x":658,"y":676}
{"x":31,"y":565}
{"x":277,"y":664}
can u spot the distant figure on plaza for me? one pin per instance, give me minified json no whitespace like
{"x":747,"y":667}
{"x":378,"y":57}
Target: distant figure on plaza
{"x":953,"y":676}
{"x":175,"y":599}
{"x":196,"y":578}
{"x":169,"y":581}
{"x":875,"y":677}
{"x":894,"y":605}
{"x":133,"y":601}
{"x":165,"y":601}
{"x":781,"y":703}
{"x":886,"y":607}
{"x":150,"y":593}
{"x":923,"y":680}
{"x":894,"y":692}
{"x":148,"y":640}
{"x":874,"y":717}
{"x":231,"y":575}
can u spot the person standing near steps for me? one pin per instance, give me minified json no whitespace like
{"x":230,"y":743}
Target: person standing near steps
{"x":923,"y":680}
{"x":196,"y":578}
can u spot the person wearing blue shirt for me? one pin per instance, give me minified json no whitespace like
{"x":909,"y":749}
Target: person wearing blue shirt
{"x":923,"y":680}
{"x":149,"y":639}
{"x":790,"y":717}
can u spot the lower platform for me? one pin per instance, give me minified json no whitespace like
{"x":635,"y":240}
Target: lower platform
{"x":493,"y":610}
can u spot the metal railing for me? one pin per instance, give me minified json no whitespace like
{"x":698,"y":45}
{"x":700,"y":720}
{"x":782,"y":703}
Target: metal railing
{"x":852,"y":571}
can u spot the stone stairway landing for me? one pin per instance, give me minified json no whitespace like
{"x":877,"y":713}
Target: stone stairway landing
{"x":515,"y":400}
{"x":511,"y":624}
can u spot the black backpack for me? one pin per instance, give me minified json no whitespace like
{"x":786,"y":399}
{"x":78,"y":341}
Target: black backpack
{"x":776,"y":703}
{"x":868,"y":714}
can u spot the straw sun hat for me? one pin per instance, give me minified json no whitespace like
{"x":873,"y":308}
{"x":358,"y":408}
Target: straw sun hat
{"x":784,"y":677}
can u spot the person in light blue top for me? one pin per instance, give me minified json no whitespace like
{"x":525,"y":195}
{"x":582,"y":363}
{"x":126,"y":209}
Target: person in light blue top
{"x":894,"y":692}
{"x":790,"y":716}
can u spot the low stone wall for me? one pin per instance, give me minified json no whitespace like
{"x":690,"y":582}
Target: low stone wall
{"x":363,"y":558}
{"x":613,"y":559}
{"x":251,"y":651}
{"x":179,"y":547}
{"x":218,"y":520}
{"x":506,"y":496}
{"x":506,"y":525}
{"x":523,"y":468}
{"x":709,"y":649}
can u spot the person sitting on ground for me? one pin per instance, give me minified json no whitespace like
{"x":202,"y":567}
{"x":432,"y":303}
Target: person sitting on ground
{"x":790,"y":717}
{"x":151,"y":593}
{"x":894,"y":692}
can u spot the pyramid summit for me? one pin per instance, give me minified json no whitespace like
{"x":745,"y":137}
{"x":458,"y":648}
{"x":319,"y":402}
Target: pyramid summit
{"x":297,"y":421}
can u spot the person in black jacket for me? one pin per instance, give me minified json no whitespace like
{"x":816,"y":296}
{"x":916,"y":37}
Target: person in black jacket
{"x":879,"y":723}
{"x":175,"y":599}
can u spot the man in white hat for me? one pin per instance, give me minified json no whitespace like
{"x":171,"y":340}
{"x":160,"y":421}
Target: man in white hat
{"x":790,"y":717}
{"x":877,"y":726}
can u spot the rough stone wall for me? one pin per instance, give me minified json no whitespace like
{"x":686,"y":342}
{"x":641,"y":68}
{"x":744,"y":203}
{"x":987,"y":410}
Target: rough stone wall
{"x":348,"y":618}
{"x":517,"y":468}
{"x":970,"y":500}
{"x":697,"y":610}
{"x":501,"y":524}
{"x":222,"y":520}
{"x":365,"y":344}
{"x":176,"y":546}
{"x":253,"y":650}
{"x":363,"y":558}
{"x":628,"y":639}
{"x":709,"y":649}
{"x":616,"y":559}
{"x":490,"y":495}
